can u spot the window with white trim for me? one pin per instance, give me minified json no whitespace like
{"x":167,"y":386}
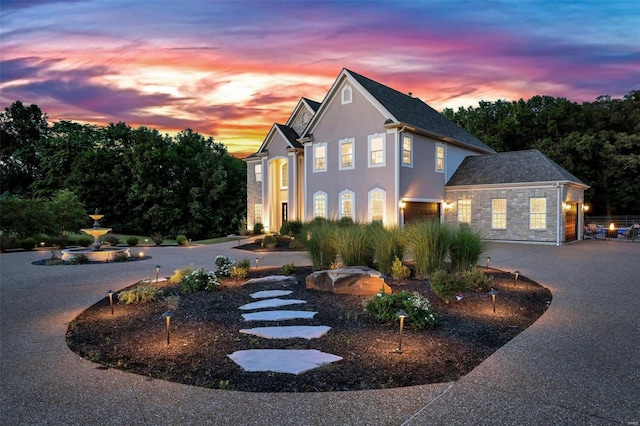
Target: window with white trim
{"x":320,"y":204}
{"x":377,"y":150}
{"x":346,"y":204}
{"x":537,"y":213}
{"x":320,"y":157}
{"x":257,"y":213}
{"x":257,"y":170}
{"x":499,"y":213}
{"x":347,"y":95}
{"x":346,"y":154}
{"x":376,"y":204}
{"x":464,"y":211}
{"x":407,"y":150}
{"x":439,"y":158}
{"x":284,"y":176}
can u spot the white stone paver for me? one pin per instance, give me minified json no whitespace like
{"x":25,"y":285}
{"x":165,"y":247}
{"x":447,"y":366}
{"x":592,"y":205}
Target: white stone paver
{"x":270,"y":293}
{"x":279,"y":315}
{"x":294,"y":361}
{"x":289,"y":331}
{"x":284,"y":279}
{"x":271,"y":303}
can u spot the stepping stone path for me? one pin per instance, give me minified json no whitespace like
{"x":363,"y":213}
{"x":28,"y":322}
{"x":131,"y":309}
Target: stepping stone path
{"x":294,"y":361}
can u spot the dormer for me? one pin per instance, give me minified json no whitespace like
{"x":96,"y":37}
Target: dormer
{"x":302,"y":115}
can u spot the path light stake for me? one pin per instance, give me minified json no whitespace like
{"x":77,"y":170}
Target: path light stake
{"x":402,"y":315}
{"x":157,"y":272}
{"x":110,"y":293}
{"x":493,"y":294}
{"x":257,"y":262}
{"x":167,"y":316}
{"x":488,"y":262}
{"x":141,"y":255}
{"x":515,"y":282}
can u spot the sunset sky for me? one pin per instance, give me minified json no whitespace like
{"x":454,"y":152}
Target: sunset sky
{"x":230,"y":69}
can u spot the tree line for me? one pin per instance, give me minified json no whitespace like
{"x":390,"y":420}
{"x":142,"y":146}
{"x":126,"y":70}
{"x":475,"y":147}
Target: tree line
{"x":144,"y":182}
{"x":598,"y":142}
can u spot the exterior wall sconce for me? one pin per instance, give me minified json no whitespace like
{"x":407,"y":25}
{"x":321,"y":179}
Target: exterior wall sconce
{"x":585,"y":208}
{"x":402,"y":204}
{"x":566,"y":206}
{"x":402,"y":315}
{"x":448,"y":205}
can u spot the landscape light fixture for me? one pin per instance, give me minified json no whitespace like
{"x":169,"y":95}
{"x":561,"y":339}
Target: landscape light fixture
{"x":257,"y":263}
{"x":157,"y":272}
{"x":141,"y":255}
{"x":493,"y":293}
{"x":110,"y":293}
{"x":167,"y":316}
{"x":488,"y":262}
{"x":402,"y":315}
{"x":515,"y":281}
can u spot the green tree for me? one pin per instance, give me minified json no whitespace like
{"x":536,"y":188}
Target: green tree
{"x":68,"y":213}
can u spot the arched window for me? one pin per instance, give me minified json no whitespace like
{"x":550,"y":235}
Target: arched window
{"x":320,"y":204}
{"x":346,"y":203}
{"x":284,"y":176}
{"x":347,"y":95}
{"x":377,"y":197}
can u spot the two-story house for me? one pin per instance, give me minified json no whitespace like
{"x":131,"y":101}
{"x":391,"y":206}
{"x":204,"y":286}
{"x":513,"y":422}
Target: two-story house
{"x":369,"y":152}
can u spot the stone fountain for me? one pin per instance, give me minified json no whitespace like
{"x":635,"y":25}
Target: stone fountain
{"x":95,"y":253}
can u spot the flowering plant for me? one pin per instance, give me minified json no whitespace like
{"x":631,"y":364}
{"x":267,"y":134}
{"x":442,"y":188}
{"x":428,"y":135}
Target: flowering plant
{"x":224,"y":265}
{"x":199,"y":279}
{"x":384,"y":307}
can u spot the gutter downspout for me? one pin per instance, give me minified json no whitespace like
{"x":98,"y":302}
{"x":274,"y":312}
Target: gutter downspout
{"x":557,"y":185}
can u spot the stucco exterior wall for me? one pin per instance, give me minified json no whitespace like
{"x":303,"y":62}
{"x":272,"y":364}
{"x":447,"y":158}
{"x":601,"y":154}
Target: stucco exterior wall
{"x":356,"y":120}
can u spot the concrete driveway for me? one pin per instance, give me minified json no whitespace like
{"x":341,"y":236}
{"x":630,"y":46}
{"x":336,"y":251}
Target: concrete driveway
{"x":579,"y":364}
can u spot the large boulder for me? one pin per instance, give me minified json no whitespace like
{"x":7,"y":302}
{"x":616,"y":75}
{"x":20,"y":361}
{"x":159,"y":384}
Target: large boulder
{"x":356,"y":280}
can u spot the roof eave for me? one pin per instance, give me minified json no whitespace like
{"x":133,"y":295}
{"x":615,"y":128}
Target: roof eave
{"x":488,"y":186}
{"x":424,"y":132}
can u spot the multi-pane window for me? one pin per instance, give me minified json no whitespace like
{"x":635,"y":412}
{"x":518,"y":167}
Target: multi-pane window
{"x":439,"y":158}
{"x":376,"y":205}
{"x":346,"y":204}
{"x":320,"y":204}
{"x":346,"y":154}
{"x":257,"y":213}
{"x":257,"y":170}
{"x":320,"y":157}
{"x":407,"y":150}
{"x":284,"y":176}
{"x":376,"y":150}
{"x":464,"y":211}
{"x":537,"y":213}
{"x":499,"y":213}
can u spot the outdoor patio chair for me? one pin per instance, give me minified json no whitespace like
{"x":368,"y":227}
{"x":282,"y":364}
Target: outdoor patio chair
{"x":591,"y":231}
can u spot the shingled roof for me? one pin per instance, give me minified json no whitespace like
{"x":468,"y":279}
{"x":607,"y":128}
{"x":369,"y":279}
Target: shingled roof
{"x":315,"y":106}
{"x":413,"y":112}
{"x":291,"y":135}
{"x":510,"y":167}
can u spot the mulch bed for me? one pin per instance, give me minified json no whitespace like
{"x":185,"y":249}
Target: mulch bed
{"x":204,"y":330}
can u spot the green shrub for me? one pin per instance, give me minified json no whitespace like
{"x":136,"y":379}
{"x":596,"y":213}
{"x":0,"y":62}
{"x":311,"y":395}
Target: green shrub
{"x":85,"y":241}
{"x":182,"y":240}
{"x":429,"y":242}
{"x":353,"y":243}
{"x":121,"y":257}
{"x":132,"y":241}
{"x":59,"y":241}
{"x":224,"y":265}
{"x":79,"y":259}
{"x":446,"y":285}
{"x":179,"y":274}
{"x":477,"y":280}
{"x":198,"y":280}
{"x":295,"y":227}
{"x":171,"y":301}
{"x":385,"y":307}
{"x":111,"y":239}
{"x":399,"y":271}
{"x":296,"y":245}
{"x":238,"y":273}
{"x":269,"y":241}
{"x":27,"y":243}
{"x":289,"y":269}
{"x":157,"y":238}
{"x":466,"y":248}
{"x":258,"y":229}
{"x":387,"y":244}
{"x":317,"y":238}
{"x":139,"y":294}
{"x":285,"y":229}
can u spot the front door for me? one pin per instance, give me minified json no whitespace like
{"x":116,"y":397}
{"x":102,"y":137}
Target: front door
{"x":571,"y":223}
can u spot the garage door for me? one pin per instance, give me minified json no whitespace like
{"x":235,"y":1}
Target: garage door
{"x":415,"y":211}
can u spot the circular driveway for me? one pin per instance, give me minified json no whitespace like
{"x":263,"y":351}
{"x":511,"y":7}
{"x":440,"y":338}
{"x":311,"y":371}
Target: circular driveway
{"x":579,"y":364}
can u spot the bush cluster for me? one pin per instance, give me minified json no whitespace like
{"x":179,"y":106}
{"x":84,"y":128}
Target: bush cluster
{"x":240,"y":270}
{"x":224,"y":265}
{"x":447,"y":285}
{"x":385,"y":307}
{"x":399,"y":271}
{"x":269,"y":241}
{"x":289,"y":269}
{"x":132,"y":241}
{"x":198,"y":280}
{"x":258,"y":229}
{"x":182,"y":240}
{"x":139,"y":294}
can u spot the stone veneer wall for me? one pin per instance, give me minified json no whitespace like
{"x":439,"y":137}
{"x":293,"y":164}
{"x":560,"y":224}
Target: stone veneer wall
{"x":517,"y":212}
{"x":254,"y":192}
